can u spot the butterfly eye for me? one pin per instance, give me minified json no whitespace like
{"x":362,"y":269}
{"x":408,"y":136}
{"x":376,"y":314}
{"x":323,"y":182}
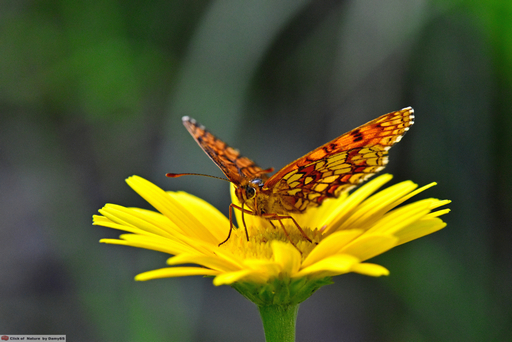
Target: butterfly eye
{"x":250,"y":192}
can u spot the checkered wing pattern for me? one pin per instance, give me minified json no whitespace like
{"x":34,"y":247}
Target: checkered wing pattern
{"x":341,"y":164}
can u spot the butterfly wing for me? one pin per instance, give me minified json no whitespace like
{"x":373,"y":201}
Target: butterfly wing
{"x":341,"y":164}
{"x":237,"y":168}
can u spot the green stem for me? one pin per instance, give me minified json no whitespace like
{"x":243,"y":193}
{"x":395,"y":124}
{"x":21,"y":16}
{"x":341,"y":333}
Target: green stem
{"x":279,"y":322}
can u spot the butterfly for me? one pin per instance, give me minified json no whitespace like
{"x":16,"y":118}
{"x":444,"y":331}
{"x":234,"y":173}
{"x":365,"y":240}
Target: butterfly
{"x":325,"y":172}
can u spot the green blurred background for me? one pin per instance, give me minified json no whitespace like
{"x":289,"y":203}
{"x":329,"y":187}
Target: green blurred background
{"x":92,"y":92}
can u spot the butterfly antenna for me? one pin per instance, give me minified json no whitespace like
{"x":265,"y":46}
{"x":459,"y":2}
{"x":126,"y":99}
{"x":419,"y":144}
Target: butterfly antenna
{"x":176,"y":175}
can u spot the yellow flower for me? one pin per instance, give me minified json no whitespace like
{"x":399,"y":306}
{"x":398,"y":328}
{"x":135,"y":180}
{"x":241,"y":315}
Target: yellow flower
{"x":347,"y":231}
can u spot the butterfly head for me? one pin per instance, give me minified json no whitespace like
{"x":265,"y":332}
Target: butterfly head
{"x":248,"y":192}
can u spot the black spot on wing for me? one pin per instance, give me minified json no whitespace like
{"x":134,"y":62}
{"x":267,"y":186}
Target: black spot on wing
{"x":356,"y":135}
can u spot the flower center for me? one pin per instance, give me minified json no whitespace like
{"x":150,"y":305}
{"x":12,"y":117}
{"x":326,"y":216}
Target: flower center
{"x":258,"y":246}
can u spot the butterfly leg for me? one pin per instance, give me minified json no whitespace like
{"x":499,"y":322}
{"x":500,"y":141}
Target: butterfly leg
{"x":286,"y":233}
{"x":281,"y":217}
{"x":231,"y":208}
{"x":269,"y":217}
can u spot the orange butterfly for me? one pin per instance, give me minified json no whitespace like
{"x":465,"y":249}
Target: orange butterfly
{"x":326,"y":172}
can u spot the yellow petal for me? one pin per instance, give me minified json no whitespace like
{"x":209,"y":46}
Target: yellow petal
{"x":105,"y":222}
{"x":175,"y":272}
{"x":438,"y":213}
{"x":232,"y":258}
{"x":185,"y":241}
{"x":211,"y":261}
{"x":412,"y":194}
{"x":207,"y":214}
{"x":418,"y":229}
{"x":135,"y":218}
{"x":333,"y":265}
{"x":370,"y":269}
{"x":158,"y":243}
{"x":322,"y":215}
{"x":373,"y":208}
{"x":368,"y":246}
{"x":286,"y":256}
{"x":171,"y":207}
{"x":337,"y":217}
{"x":268,"y":267}
{"x":244,"y":275}
{"x":400,"y":218}
{"x":331,"y":245}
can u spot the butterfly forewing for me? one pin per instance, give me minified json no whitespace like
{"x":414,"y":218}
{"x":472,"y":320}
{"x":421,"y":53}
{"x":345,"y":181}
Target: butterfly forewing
{"x":237,"y":168}
{"x":340,"y":164}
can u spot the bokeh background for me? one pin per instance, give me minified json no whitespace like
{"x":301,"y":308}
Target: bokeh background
{"x":92,"y":92}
